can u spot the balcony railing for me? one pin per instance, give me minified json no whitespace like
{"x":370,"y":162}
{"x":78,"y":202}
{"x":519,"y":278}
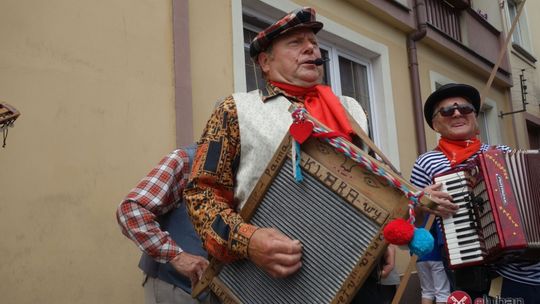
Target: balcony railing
{"x":444,"y":17}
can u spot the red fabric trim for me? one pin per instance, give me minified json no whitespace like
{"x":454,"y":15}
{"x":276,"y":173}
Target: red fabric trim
{"x":457,"y":151}
{"x":323,"y":105}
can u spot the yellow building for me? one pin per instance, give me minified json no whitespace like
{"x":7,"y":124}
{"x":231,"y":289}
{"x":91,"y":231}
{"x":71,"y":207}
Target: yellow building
{"x":106,"y":88}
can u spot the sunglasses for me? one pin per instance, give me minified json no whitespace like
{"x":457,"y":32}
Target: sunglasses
{"x":448,"y":111}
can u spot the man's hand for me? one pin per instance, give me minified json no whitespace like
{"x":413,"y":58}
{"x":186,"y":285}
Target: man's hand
{"x":445,"y":207}
{"x":389,"y":261}
{"x":189,"y":265}
{"x":274,"y":252}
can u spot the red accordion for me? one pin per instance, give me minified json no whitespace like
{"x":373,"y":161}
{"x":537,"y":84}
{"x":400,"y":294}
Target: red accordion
{"x":499,"y":215}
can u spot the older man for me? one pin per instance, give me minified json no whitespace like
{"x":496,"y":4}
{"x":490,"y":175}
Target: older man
{"x":451,"y":111}
{"x":244,"y":132}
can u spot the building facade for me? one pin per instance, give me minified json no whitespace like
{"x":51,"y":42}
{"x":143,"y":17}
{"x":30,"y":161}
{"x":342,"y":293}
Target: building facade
{"x":525,"y":105}
{"x":106,"y":88}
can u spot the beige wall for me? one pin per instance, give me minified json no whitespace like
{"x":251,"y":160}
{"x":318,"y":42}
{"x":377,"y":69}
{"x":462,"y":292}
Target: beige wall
{"x":211,"y":57}
{"x":491,"y":9}
{"x":93,"y":81}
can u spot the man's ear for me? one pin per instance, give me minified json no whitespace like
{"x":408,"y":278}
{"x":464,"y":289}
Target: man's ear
{"x":435,"y":126}
{"x":264,"y":59}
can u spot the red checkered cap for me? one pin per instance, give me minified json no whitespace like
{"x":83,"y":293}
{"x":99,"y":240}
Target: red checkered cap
{"x":299,"y":18}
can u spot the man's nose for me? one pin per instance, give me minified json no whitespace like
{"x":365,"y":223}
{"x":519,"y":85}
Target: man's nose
{"x":309,"y":46}
{"x":456,"y":111}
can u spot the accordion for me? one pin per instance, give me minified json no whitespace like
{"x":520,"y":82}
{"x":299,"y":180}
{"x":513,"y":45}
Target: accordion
{"x":498,"y":219}
{"x":338,"y":212}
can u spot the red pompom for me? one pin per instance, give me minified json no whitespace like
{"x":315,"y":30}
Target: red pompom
{"x":398,"y":232}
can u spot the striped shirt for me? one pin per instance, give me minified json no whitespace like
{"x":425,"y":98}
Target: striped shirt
{"x":435,"y":162}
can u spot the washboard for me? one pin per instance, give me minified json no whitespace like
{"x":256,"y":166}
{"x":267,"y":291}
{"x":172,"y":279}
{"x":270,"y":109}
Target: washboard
{"x":338,"y":212}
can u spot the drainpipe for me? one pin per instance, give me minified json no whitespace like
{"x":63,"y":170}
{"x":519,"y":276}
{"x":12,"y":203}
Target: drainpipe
{"x":412,"y":38}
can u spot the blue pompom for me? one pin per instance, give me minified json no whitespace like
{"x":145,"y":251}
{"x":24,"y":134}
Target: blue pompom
{"x":422,"y":242}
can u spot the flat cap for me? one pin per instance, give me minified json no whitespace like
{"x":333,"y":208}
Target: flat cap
{"x":299,"y":18}
{"x":450,"y":90}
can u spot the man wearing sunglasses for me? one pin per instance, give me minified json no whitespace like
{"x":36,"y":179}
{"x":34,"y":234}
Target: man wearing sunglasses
{"x":451,"y":111}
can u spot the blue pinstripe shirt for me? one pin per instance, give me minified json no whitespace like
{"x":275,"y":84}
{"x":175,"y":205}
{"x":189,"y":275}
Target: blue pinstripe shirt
{"x":435,"y":162}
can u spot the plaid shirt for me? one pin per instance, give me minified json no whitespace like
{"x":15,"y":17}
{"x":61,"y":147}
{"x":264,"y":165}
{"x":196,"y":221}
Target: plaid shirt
{"x":156,"y":194}
{"x":209,"y":194}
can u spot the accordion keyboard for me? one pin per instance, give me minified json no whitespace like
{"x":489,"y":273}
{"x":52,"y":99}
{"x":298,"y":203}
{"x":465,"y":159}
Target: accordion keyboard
{"x":460,"y":230}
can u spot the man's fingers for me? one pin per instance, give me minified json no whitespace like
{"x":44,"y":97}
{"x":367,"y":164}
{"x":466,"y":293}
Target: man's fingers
{"x":287,"y":259}
{"x":191,"y":266}
{"x":286,"y":246}
{"x":434,"y":187}
{"x":197,"y":271}
{"x":202,"y":262}
{"x":278,"y":236}
{"x":202,"y":265}
{"x":196,"y":276}
{"x":275,"y":252}
{"x":442,"y":195}
{"x":282,"y":271}
{"x":272,"y":241}
{"x":445,"y":211}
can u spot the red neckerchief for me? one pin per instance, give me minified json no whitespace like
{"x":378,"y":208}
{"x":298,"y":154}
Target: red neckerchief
{"x":457,"y":151}
{"x":322,"y":104}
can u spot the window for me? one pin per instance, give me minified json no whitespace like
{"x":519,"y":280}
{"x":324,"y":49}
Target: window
{"x":483,"y":126}
{"x":254,"y":79}
{"x":354,"y":82}
{"x":533,"y":131}
{"x":489,"y":123}
{"x":520,"y":36}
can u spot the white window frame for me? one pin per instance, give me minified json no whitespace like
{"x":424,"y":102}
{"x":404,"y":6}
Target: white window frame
{"x":491,"y":115}
{"x":335,"y":53}
{"x":380,"y":89}
{"x":522,"y":27}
